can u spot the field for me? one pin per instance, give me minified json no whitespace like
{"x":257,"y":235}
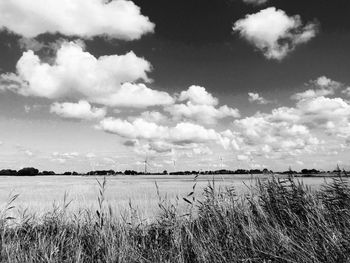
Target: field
{"x":230,"y":219}
{"x":38,"y":194}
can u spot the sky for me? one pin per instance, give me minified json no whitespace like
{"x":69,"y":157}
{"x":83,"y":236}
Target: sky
{"x":185,"y":85}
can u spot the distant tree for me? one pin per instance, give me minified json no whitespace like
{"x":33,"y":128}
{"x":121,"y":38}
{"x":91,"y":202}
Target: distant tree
{"x":48,"y":173}
{"x":309,"y":171}
{"x":165,"y":172}
{"x":8,"y":172}
{"x":28,"y":171}
{"x":111,"y":172}
{"x":241,"y":171}
{"x":74,"y":173}
{"x":67,"y":173}
{"x":130,"y":172}
{"x":290,"y":171}
{"x":255,"y":171}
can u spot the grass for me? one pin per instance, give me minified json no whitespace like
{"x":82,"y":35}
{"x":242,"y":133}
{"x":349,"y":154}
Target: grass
{"x":278,"y":220}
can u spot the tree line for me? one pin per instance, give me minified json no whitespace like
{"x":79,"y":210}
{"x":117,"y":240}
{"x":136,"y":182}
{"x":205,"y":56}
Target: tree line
{"x":30,"y":171}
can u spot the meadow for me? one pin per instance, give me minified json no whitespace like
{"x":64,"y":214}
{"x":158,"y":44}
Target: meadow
{"x":229,"y":219}
{"x":40,"y":194}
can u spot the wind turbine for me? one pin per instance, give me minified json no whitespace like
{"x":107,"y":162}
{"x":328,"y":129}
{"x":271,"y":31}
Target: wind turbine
{"x":146,"y":163}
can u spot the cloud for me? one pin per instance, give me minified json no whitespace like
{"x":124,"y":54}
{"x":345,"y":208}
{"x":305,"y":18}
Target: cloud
{"x":255,"y":2}
{"x":109,"y":160}
{"x":151,"y":149}
{"x":138,"y":129}
{"x":346,"y":91}
{"x":67,"y":155}
{"x":27,"y":108}
{"x":76,"y":74}
{"x":31,"y":44}
{"x":80,"y":110}
{"x":137,"y":96}
{"x":255,"y":97}
{"x":203,"y":150}
{"x":47,"y":49}
{"x":312,"y":93}
{"x":274,"y":33}
{"x":154,"y":116}
{"x":182,"y":133}
{"x":323,"y":86}
{"x":241,"y":157}
{"x":206,"y":114}
{"x":185,"y":132}
{"x":300,"y":163}
{"x":330,"y":114}
{"x":11,"y":82}
{"x":84,"y":18}
{"x":59,"y":160}
{"x":198,"y":95}
{"x":292,"y":131}
{"x":325,"y":82}
{"x":130,"y":143}
{"x":154,"y":149}
{"x":262,"y":135}
{"x":160,"y":146}
{"x":62,"y":158}
{"x":200,"y":107}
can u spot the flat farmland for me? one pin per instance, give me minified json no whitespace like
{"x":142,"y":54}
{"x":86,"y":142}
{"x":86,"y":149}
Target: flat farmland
{"x":40,"y":194}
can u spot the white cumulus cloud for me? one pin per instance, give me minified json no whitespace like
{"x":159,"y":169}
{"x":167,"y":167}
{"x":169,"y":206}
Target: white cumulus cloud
{"x":84,"y":18}
{"x":80,"y":110}
{"x":323,"y":86}
{"x":182,"y":133}
{"x":206,"y":114}
{"x":308,"y":127}
{"x":198,"y":95}
{"x":138,"y":129}
{"x":75,"y":73}
{"x":275,"y":33}
{"x":262,"y":135}
{"x":200,"y":106}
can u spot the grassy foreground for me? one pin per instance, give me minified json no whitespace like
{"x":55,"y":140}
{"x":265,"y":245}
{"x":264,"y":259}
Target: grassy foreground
{"x":278,"y":221}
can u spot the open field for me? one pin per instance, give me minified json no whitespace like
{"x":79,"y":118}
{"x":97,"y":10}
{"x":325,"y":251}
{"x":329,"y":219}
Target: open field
{"x":39,"y":193}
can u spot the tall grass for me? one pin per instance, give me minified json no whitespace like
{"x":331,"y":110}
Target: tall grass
{"x":280,"y":220}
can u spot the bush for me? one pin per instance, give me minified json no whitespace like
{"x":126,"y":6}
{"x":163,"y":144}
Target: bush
{"x":28,"y":172}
